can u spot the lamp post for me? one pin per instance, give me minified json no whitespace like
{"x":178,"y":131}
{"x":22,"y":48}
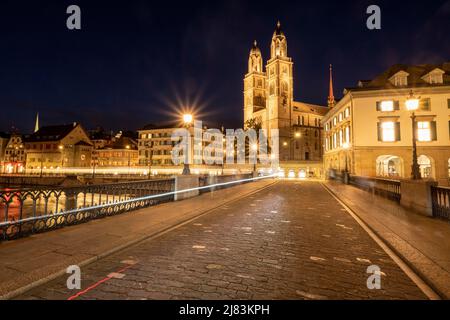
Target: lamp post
{"x":412,"y":104}
{"x":128,"y":147}
{"x":94,"y":163}
{"x":346,"y":146}
{"x":187,"y":120}
{"x":255,"y":149}
{"x":61,"y":148}
{"x":293,"y":137}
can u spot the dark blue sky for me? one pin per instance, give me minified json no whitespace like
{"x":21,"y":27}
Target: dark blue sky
{"x":134,"y":59}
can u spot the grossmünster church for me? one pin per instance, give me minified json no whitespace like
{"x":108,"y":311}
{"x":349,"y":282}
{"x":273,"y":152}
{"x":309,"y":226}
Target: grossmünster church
{"x":269,"y":100}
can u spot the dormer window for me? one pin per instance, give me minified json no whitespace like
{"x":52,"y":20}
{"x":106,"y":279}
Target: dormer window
{"x":400,"y":79}
{"x":434,"y":77}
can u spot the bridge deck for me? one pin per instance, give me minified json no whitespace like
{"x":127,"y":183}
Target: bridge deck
{"x":292,"y":240}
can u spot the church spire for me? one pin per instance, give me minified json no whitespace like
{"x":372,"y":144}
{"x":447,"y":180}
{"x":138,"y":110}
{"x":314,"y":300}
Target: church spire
{"x":36,"y":126}
{"x":331,"y":100}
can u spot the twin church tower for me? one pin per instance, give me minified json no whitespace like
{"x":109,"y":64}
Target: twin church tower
{"x":269,"y":100}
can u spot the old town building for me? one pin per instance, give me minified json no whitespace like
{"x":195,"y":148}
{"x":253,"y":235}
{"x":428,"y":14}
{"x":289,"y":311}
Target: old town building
{"x":123,"y":152}
{"x":369,"y":130}
{"x":14,"y":157}
{"x":56,"y":147}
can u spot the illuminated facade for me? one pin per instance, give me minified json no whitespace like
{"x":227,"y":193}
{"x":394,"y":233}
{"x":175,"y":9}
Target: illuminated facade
{"x":58,"y":147}
{"x":269,"y":99}
{"x":370,"y":128}
{"x":123,"y":152}
{"x":14,"y":155}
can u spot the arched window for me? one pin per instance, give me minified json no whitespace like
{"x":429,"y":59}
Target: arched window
{"x":425,"y":167}
{"x":389,"y":166}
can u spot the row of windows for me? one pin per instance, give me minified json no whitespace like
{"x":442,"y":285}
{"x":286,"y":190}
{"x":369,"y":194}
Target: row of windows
{"x":301,"y":121}
{"x":389,"y":131}
{"x":14,"y":152}
{"x":338,"y":119}
{"x":116,"y":154}
{"x":338,"y":139}
{"x":156,"y":135}
{"x":394,"y":105}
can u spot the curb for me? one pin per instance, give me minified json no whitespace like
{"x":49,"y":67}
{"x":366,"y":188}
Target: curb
{"x":419,"y":274}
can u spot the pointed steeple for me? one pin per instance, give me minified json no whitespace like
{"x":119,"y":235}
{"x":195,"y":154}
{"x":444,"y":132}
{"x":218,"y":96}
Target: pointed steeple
{"x":36,"y":126}
{"x":331,"y":100}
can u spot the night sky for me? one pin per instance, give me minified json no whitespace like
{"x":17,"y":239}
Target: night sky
{"x":134,"y":61}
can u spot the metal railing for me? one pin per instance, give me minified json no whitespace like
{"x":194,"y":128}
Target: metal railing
{"x":28,"y":211}
{"x":440,"y":197}
{"x":386,"y":188}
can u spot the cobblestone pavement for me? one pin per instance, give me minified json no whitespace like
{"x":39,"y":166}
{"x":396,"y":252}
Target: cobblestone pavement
{"x":289,"y":241}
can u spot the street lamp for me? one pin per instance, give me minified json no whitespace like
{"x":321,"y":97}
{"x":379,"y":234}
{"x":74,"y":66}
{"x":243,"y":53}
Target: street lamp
{"x":293,"y":137}
{"x":346,"y":146}
{"x":61,"y":148}
{"x":129,"y":161}
{"x":187,"y":120}
{"x":255,"y":149}
{"x":412,"y":104}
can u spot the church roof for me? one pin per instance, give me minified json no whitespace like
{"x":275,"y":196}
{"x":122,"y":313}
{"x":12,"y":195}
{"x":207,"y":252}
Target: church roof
{"x":310,"y":108}
{"x":51,"y":133}
{"x":255,"y":49}
{"x":415,"y":74}
{"x":278,"y":31}
{"x":83,"y":143}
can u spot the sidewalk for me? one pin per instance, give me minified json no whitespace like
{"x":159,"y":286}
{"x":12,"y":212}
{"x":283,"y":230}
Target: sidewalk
{"x":31,"y":261}
{"x":422,"y":242}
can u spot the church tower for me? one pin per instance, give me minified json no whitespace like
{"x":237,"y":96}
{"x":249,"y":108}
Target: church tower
{"x":280,"y":92}
{"x":255,"y":87}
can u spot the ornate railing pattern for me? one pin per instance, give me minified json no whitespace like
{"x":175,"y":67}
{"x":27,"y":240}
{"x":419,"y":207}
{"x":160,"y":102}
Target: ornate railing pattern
{"x":440,"y":198}
{"x":27,"y":211}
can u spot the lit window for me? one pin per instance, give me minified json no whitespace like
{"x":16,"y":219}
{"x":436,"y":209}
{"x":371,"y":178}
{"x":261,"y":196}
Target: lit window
{"x":387,"y":106}
{"x":424,"y":131}
{"x":340,"y":117}
{"x":388,"y":133}
{"x":334,"y":121}
{"x":436,"y":78}
{"x":347,"y":112}
{"x":400,"y":81}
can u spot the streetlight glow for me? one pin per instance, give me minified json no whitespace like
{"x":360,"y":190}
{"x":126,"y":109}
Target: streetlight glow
{"x":412,"y":104}
{"x":187,"y":118}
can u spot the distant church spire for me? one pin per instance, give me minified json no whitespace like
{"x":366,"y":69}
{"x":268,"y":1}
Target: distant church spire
{"x":36,"y":126}
{"x":331,"y":100}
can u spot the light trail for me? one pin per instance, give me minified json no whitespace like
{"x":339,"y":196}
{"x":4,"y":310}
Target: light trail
{"x":124,"y":202}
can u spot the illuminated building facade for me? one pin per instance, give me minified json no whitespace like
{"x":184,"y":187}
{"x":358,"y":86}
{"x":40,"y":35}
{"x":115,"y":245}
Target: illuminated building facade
{"x":123,"y":152}
{"x":370,"y":128}
{"x":269,"y":99}
{"x":57,"y":147}
{"x":14,"y":155}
